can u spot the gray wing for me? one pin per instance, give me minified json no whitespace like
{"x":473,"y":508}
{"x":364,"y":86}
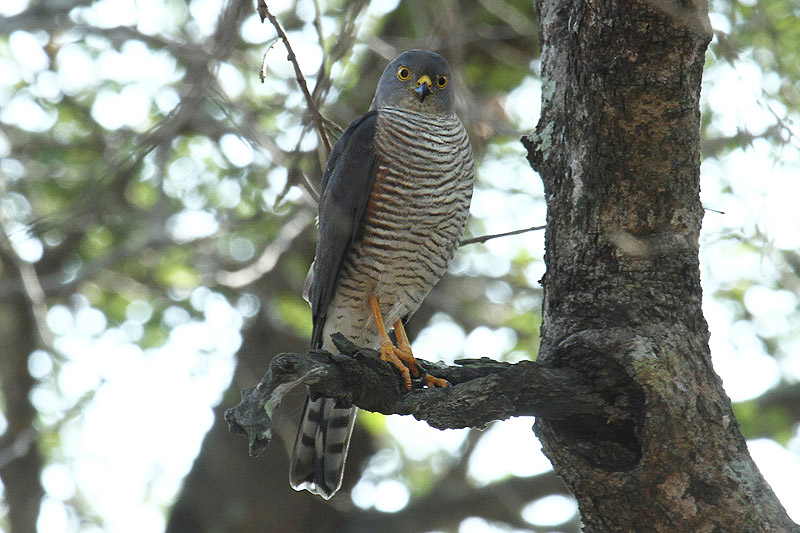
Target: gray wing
{"x":346,"y":186}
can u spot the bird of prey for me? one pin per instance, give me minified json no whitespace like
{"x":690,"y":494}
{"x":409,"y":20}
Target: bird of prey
{"x":394,"y":203}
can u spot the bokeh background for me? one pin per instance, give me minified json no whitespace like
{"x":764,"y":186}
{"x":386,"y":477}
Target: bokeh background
{"x":156,"y":227}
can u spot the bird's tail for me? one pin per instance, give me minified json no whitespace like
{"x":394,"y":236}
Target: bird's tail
{"x":320,"y":448}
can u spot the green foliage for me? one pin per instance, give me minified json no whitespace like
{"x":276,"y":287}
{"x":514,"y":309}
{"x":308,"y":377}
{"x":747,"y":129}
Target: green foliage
{"x":771,"y":421}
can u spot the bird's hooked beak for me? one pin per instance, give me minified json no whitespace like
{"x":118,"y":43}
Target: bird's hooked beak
{"x":423,"y":87}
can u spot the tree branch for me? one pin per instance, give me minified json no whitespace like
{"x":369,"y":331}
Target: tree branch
{"x":484,"y":238}
{"x":482,"y":390}
{"x":264,"y":12}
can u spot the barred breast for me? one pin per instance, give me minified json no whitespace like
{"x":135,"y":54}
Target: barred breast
{"x":412,"y":225}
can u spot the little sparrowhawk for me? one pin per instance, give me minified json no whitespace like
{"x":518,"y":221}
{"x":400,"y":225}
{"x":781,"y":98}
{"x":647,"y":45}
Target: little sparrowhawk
{"x":394,"y":204}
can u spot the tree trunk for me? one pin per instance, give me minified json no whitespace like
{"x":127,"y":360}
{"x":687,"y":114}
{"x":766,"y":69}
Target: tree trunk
{"x":618,"y":149}
{"x":20,"y":462}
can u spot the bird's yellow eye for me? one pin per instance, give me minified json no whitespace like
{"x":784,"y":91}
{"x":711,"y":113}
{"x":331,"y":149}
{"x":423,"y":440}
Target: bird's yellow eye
{"x":403,"y":74}
{"x":441,"y":82}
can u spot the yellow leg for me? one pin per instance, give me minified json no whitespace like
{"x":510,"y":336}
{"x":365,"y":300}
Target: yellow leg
{"x":400,"y":356}
{"x":388,"y":351}
{"x":405,"y":354}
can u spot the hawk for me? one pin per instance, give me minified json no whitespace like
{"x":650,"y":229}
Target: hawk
{"x":394,"y":203}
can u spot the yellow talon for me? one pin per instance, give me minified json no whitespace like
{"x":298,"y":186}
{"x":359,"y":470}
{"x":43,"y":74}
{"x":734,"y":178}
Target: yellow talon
{"x":401,"y":355}
{"x":433,"y":382}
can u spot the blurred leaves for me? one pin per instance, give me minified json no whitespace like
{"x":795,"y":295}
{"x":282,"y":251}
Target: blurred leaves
{"x":757,"y":421}
{"x":141,"y":152}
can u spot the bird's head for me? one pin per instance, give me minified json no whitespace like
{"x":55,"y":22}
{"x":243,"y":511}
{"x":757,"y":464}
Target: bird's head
{"x":417,"y":80}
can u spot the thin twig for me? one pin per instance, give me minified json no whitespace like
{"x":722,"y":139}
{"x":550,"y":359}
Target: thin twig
{"x":263,"y":72}
{"x":323,"y":126}
{"x":781,"y":121}
{"x":264,"y":12}
{"x":484,"y":238}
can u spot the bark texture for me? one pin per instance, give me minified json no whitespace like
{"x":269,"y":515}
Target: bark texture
{"x":618,"y":149}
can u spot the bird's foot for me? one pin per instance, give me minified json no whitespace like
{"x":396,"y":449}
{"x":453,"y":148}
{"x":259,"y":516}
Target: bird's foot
{"x":405,"y":362}
{"x":389,"y":353}
{"x":403,"y":351}
{"x":433,"y":382}
{"x":401,"y":355}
